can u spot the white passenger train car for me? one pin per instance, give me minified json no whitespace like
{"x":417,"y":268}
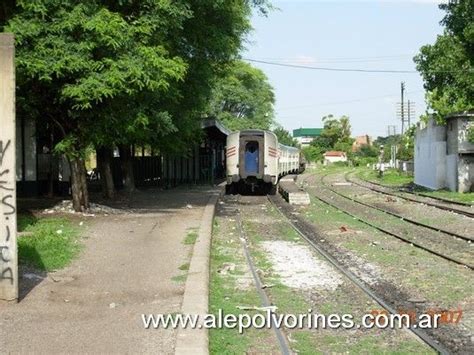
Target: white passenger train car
{"x":255,"y":159}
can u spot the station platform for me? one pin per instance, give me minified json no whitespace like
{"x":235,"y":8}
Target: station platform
{"x":291,"y":192}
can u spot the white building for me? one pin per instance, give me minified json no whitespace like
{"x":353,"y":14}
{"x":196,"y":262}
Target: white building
{"x":444,"y":158}
{"x":333,"y":156}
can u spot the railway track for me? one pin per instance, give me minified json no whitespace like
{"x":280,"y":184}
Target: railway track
{"x":435,"y":198}
{"x":409,"y":220}
{"x":234,"y":202}
{"x":437,"y":203}
{"x":417,"y":234}
{"x":312,"y":239}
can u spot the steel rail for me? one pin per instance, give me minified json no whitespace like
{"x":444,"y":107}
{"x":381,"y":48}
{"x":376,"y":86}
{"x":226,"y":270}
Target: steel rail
{"x":282,"y":341}
{"x":426,"y":338}
{"x":436,"y":205}
{"x":399,"y":188}
{"x":383,"y":230}
{"x":409,"y":220}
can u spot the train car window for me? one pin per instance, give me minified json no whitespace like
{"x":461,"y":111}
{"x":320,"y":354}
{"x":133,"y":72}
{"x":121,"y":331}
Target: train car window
{"x":251,"y":157}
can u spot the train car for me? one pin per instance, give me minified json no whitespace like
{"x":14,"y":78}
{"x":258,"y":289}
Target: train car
{"x":255,"y":161}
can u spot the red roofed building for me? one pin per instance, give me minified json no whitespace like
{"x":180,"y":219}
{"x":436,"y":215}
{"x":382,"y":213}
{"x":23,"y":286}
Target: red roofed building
{"x":333,"y":156}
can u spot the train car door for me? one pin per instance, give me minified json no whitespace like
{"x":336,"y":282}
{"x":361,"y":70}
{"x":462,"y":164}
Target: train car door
{"x":251,"y":157}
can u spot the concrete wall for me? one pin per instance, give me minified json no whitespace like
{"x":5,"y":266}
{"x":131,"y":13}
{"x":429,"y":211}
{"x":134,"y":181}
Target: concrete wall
{"x":430,"y":156}
{"x":444,"y":158}
{"x":463,"y":150}
{"x":451,"y":172}
{"x":329,"y":160}
{"x":458,"y":136}
{"x":466,"y":173}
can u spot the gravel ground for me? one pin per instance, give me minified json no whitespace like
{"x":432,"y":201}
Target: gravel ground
{"x":406,"y":277}
{"x":126,"y":269}
{"x":418,"y":198}
{"x":302,"y":280}
{"x":439,"y":242}
{"x":429,"y":215}
{"x":298,"y":268}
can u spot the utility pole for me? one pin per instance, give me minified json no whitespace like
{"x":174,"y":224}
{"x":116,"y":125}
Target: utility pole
{"x":391,"y":130}
{"x":405,"y":112}
{"x":402,"y":86}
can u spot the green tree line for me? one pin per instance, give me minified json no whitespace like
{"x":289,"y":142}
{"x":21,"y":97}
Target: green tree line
{"x":114,"y":73}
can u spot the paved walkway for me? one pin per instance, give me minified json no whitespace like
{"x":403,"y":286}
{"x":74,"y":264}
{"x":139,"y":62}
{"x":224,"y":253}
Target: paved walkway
{"x":125,"y":269}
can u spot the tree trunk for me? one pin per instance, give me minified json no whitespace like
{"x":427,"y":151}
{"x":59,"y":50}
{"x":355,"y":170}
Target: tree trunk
{"x":80,"y":195}
{"x":85,"y":191}
{"x":126,"y":162}
{"x":104,"y":164}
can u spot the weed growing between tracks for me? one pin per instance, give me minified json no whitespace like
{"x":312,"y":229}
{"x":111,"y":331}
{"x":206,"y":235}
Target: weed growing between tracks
{"x":417,"y":272}
{"x":231,"y":285}
{"x":266,"y":226}
{"x":50,"y":243}
{"x":395,"y":179}
{"x":467,"y":197}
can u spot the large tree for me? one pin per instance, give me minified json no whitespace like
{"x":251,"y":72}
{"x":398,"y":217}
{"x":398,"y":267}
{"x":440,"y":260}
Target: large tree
{"x":336,"y":134}
{"x":109,"y":72}
{"x":447,"y":66}
{"x":243,"y":98}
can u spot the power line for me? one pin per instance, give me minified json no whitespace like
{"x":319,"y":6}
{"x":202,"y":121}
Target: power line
{"x":353,"y":70}
{"x":331,"y":69}
{"x":309,"y":60}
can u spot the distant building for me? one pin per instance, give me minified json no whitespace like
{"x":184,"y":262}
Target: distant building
{"x":360,"y":141}
{"x":444,"y":158}
{"x":333,"y":156}
{"x":304,"y":136}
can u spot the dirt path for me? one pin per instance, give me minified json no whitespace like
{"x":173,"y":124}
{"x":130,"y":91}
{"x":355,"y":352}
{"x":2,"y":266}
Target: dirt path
{"x":125,"y":269}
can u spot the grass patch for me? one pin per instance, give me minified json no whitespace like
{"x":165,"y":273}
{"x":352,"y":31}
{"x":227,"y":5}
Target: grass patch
{"x":179,"y":278}
{"x":390,"y":177}
{"x":225,"y":294}
{"x":25,"y":220}
{"x":446,"y":284}
{"x":450,"y":195}
{"x":52,"y":245}
{"x":184,"y":267}
{"x":191,"y":237}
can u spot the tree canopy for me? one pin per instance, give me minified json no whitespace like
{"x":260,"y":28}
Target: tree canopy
{"x":121,"y":72}
{"x":447,"y":66}
{"x":336,"y":135}
{"x":243,"y":98}
{"x":284,"y":137}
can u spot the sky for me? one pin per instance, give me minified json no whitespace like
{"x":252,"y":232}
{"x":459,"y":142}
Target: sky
{"x":362,"y":34}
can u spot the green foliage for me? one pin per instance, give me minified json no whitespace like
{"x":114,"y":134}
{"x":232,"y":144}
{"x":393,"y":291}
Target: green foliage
{"x":387,"y":143}
{"x":100,"y":66}
{"x":369,"y":151}
{"x":447,"y":66}
{"x":52,"y":245}
{"x":284,"y":137}
{"x":243,"y":98}
{"x":336,"y":135}
{"x":407,"y":145}
{"x":366,"y":154}
{"x":313,"y":153}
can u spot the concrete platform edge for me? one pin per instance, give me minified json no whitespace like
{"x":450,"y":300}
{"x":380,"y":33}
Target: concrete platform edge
{"x":196,"y":292}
